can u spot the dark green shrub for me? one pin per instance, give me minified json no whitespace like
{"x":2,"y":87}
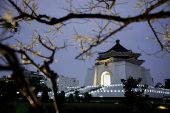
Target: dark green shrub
{"x":70,"y":98}
{"x":44,"y":96}
{"x":62,"y":96}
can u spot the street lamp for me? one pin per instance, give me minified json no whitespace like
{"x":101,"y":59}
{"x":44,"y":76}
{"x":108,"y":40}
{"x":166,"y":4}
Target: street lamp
{"x":80,"y":97}
{"x":101,"y":97}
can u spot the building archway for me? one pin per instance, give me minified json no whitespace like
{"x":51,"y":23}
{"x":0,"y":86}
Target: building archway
{"x":105,"y":78}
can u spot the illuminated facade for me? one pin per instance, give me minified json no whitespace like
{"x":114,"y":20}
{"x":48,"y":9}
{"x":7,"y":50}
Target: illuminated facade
{"x":104,"y":78}
{"x":116,"y":64}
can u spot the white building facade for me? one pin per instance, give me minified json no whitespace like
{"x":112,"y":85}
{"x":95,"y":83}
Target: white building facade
{"x":116,"y":64}
{"x":65,"y":83}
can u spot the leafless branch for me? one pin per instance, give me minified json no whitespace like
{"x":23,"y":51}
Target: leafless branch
{"x":155,"y":35}
{"x":19,"y":78}
{"x":6,"y":38}
{"x":138,"y":18}
{"x":155,"y":54}
{"x":155,"y":6}
{"x":102,"y":40}
{"x":30,"y":9}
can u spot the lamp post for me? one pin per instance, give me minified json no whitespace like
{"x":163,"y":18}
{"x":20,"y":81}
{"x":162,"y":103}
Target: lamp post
{"x":80,"y":97}
{"x":101,"y":98}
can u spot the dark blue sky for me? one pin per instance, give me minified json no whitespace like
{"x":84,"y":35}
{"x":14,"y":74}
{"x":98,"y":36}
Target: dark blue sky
{"x":132,"y":38}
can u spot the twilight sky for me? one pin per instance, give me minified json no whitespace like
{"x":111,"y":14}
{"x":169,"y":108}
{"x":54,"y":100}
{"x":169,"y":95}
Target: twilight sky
{"x":133,"y":37}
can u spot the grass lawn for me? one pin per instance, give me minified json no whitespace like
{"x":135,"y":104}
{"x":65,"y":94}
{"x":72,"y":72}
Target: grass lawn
{"x":22,"y":107}
{"x":75,"y":108}
{"x":94,"y":108}
{"x":7,"y":107}
{"x":97,"y":107}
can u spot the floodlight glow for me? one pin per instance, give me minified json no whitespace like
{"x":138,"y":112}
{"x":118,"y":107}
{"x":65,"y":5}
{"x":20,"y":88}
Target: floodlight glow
{"x":162,"y":107}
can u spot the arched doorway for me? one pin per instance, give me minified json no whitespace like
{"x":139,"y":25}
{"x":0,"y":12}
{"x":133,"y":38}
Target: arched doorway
{"x":105,"y":78}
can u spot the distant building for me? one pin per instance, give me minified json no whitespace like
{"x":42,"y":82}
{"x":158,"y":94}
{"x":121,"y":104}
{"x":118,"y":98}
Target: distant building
{"x":33,"y":74}
{"x":3,"y":78}
{"x":159,"y":85}
{"x":64,"y":83}
{"x":167,"y":83}
{"x":6,"y":79}
{"x":27,"y":74}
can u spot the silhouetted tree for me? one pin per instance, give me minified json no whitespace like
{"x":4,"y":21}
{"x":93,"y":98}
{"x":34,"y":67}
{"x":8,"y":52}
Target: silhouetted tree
{"x":71,"y":98}
{"x":159,"y":85}
{"x":2,"y":90}
{"x":76,"y":95}
{"x":62,"y":96}
{"x":35,"y":82}
{"x":45,"y":96}
{"x":134,"y":96}
{"x":39,"y":87}
{"x":8,"y":91}
{"x":87,"y":96}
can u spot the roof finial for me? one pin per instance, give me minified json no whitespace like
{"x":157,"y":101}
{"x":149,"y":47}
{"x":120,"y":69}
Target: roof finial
{"x":117,"y":41}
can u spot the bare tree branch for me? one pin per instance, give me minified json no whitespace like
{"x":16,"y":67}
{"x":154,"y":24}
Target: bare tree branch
{"x":155,"y":35}
{"x":5,"y":67}
{"x":19,"y":78}
{"x":6,"y":38}
{"x":99,"y":42}
{"x":155,"y":6}
{"x":138,"y":18}
{"x":147,"y":12}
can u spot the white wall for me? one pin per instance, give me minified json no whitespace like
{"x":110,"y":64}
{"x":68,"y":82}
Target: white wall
{"x":64,"y":82}
{"x":118,"y":70}
{"x":89,"y":81}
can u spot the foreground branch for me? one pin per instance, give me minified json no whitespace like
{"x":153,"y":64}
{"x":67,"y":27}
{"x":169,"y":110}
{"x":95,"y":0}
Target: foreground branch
{"x":101,"y":41}
{"x":54,"y":21}
{"x":19,"y":78}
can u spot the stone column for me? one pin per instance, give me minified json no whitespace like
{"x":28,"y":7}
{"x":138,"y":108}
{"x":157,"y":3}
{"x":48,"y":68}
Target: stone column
{"x":95,"y":77}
